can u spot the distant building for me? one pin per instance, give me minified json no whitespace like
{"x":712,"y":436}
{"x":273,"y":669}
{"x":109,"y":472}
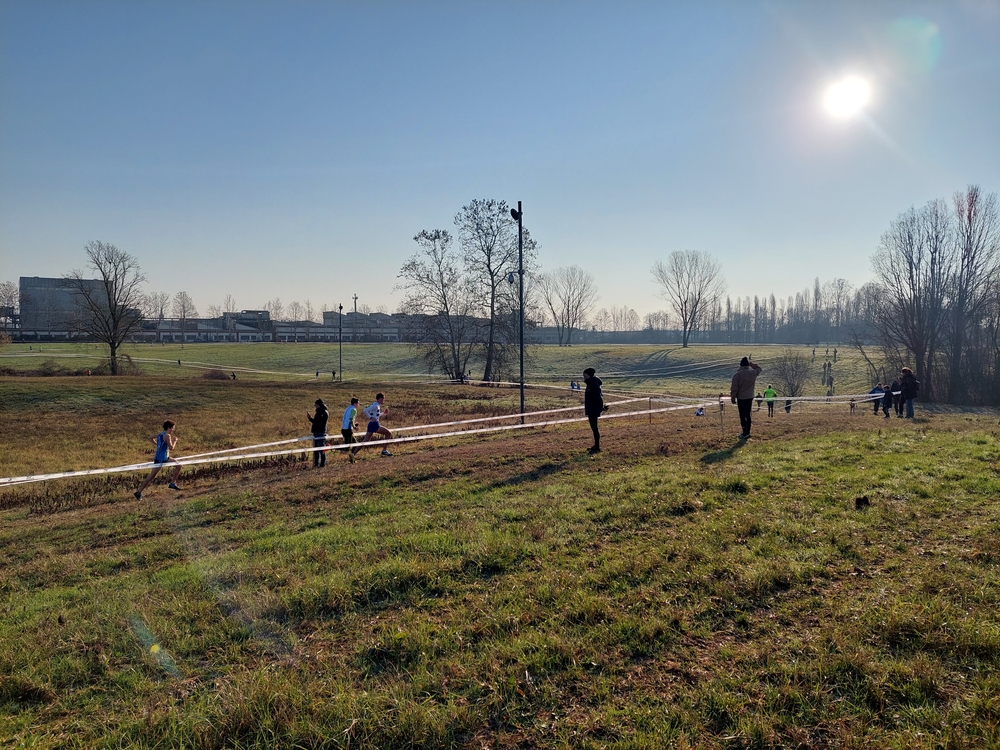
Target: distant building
{"x":49,"y":307}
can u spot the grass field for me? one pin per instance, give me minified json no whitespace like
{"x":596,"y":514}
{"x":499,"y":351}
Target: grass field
{"x":831,"y":583}
{"x":697,"y":370}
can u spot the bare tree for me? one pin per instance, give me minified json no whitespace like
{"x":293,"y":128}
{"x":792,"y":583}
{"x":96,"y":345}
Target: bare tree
{"x":569,"y":294}
{"x":791,"y":371}
{"x":183,"y":309}
{"x":488,"y":237}
{"x":9,"y":302}
{"x":602,"y":320}
{"x":437,"y":289}
{"x":913,"y":264}
{"x":977,"y":236}
{"x":214,"y":311}
{"x":111,"y":308}
{"x":657,"y":321}
{"x":229,"y":304}
{"x":275,"y":308}
{"x":155,"y":305}
{"x":691,"y":280}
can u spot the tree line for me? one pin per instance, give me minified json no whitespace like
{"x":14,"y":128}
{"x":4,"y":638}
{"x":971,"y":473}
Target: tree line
{"x":934,"y":303}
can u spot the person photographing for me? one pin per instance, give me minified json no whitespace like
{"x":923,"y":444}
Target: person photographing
{"x":741,"y":391}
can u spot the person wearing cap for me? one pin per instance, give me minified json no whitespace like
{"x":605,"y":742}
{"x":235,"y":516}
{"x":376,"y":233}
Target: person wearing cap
{"x":741,"y":391}
{"x":319,"y":432}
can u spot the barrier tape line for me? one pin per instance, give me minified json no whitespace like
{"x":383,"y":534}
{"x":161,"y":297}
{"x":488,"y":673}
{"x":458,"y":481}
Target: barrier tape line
{"x":12,"y":481}
{"x":306,"y":438}
{"x":206,"y":458}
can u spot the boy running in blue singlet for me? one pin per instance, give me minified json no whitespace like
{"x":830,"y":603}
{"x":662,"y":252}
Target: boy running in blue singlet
{"x":164,"y":443}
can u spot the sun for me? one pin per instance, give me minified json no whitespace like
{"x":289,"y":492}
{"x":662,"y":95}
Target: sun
{"x":847,"y":97}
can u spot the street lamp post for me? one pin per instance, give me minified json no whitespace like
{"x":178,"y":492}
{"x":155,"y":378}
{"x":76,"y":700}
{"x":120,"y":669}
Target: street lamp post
{"x":340,"y":337}
{"x":519,"y":214}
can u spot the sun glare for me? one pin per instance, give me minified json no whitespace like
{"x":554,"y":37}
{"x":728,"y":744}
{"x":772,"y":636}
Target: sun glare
{"x":847,"y":97}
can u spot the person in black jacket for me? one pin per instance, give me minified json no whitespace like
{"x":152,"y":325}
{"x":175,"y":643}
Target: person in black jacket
{"x":319,"y":431}
{"x":593,"y":405}
{"x":908,"y":387}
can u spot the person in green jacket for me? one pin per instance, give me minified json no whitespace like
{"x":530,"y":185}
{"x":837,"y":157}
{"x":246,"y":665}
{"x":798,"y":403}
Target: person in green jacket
{"x":769,"y":394}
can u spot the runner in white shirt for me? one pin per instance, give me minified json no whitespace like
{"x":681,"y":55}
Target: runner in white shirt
{"x":374,"y":414}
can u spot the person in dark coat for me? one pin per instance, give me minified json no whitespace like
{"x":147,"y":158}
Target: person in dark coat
{"x":319,"y":431}
{"x":877,"y":393}
{"x":908,"y":388}
{"x":593,"y":405}
{"x":887,"y":402}
{"x":897,"y":402}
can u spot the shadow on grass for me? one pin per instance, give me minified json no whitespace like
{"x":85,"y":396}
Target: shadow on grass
{"x":723,"y":455}
{"x":535,"y":475}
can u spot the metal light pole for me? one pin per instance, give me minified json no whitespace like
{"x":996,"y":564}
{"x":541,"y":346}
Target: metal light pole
{"x":340,"y":336}
{"x":519,"y":214}
{"x":354,"y":323}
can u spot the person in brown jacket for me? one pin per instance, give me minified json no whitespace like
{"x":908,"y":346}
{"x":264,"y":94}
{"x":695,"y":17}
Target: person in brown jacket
{"x":741,"y":392}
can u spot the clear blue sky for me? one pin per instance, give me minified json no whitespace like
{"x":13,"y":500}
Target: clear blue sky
{"x":293,"y":149}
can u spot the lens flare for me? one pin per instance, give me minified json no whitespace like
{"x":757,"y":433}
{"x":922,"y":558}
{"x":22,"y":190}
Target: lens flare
{"x":847,"y":97}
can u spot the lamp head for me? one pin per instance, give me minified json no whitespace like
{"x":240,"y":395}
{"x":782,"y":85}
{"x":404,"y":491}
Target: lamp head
{"x":515,"y":214}
{"x":510,"y":277}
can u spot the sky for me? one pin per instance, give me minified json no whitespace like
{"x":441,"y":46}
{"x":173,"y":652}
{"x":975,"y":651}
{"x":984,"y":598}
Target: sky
{"x":293,"y":149}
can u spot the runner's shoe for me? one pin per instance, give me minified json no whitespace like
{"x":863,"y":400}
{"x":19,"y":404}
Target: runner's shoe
{"x":173,"y":486}
{"x":385,"y":452}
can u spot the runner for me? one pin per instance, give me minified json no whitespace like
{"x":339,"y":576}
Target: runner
{"x":348,"y":425}
{"x":769,"y":394}
{"x":164,"y":442}
{"x":374,"y":414}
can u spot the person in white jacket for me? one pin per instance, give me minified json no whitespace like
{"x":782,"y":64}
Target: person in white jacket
{"x":375,"y":413}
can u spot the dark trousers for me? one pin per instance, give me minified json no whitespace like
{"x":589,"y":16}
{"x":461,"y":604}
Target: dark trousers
{"x":593,"y":426}
{"x":878,"y":403}
{"x":745,"y":405}
{"x":319,"y":457}
{"x":348,"y":436}
{"x":770,"y":408}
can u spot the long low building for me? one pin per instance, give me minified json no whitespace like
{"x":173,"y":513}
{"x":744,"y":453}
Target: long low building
{"x":49,"y":311}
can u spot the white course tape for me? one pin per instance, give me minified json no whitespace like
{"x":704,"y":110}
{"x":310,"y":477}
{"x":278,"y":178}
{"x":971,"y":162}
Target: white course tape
{"x":307,"y":438}
{"x":12,"y":481}
{"x":239,"y":454}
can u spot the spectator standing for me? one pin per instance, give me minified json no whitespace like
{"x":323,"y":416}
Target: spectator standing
{"x":909,"y":386}
{"x":593,"y":405}
{"x":877,"y":393}
{"x":741,"y":391}
{"x":897,"y":402}
{"x":319,"y":432}
{"x":887,"y":402}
